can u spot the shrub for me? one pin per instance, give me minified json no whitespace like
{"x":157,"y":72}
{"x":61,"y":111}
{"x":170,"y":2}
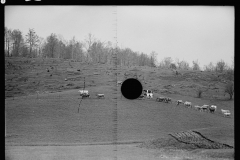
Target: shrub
{"x":173,"y":66}
{"x":199,"y":93}
{"x":229,"y":89}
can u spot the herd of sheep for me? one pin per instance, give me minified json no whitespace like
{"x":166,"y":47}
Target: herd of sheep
{"x":210,"y":108}
{"x":149,"y":94}
{"x":85,"y":94}
{"x":207,"y":108}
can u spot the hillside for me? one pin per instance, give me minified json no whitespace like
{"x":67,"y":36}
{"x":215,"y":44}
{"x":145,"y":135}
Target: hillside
{"x":44,"y":109}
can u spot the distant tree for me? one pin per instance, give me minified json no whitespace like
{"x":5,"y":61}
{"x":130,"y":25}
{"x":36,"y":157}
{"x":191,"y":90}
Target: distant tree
{"x":209,"y":67}
{"x":18,"y":41}
{"x":72,"y":44}
{"x":89,"y":40}
{"x":7,"y":37}
{"x":196,"y":65}
{"x":183,"y":65}
{"x":173,"y":66}
{"x":229,"y":89}
{"x":220,"y":66}
{"x":97,"y":51}
{"x":61,"y":46}
{"x":51,"y":46}
{"x":177,"y":62}
{"x":40,"y":46}
{"x":153,"y":59}
{"x":31,"y":40}
{"x":24,"y":50}
{"x":144,"y":60}
{"x":167,"y":61}
{"x":79,"y":51}
{"x":161,"y":64}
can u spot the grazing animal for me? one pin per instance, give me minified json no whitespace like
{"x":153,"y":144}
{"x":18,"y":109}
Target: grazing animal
{"x":100,"y":95}
{"x":160,"y":99}
{"x":167,"y":100}
{"x":212,"y":108}
{"x":85,"y":95}
{"x":141,"y":96}
{"x":205,"y":107}
{"x":225,"y":112}
{"x":83,"y":92}
{"x":148,"y":93}
{"x":119,"y":82}
{"x":198,"y":107}
{"x":179,"y":102}
{"x":188,"y":104}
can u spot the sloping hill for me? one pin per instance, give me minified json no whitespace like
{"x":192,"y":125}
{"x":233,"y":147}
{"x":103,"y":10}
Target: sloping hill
{"x":52,"y":116}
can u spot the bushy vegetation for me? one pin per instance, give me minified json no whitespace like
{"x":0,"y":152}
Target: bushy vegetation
{"x":229,"y":89}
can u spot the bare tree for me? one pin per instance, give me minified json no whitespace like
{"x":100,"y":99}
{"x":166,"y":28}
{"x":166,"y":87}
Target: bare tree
{"x":40,"y":46}
{"x":196,"y":65}
{"x":31,"y":40}
{"x":220,"y":66}
{"x":7,"y":34}
{"x":167,"y":61}
{"x":51,"y":45}
{"x":72,"y":43}
{"x":153,"y":59}
{"x":17,"y":39}
{"x":209,"y":67}
{"x":89,"y":40}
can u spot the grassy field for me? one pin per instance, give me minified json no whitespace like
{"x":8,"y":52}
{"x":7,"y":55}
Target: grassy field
{"x":54,"y":117}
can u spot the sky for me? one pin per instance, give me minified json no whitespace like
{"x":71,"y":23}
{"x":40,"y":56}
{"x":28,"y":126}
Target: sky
{"x":190,"y":33}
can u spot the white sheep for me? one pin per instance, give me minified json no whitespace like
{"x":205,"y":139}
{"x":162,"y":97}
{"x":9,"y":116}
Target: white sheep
{"x":100,"y":95}
{"x":188,"y":104}
{"x":225,"y":112}
{"x":212,"y":108}
{"x":179,"y":102}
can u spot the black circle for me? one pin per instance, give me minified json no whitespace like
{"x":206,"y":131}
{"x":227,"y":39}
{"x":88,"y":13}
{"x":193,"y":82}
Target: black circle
{"x":131,"y":88}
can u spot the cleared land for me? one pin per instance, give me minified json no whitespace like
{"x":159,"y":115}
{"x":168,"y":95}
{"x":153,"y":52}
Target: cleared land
{"x":48,"y":122}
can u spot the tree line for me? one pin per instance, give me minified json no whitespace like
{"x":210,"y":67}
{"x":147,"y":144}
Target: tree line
{"x":92,"y":50}
{"x":55,"y":46}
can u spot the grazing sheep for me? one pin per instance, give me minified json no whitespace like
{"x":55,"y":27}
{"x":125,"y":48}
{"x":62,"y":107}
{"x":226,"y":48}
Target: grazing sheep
{"x":148,"y":93}
{"x":205,"y":107}
{"x":160,"y":99}
{"x":212,"y":108}
{"x":188,"y":104}
{"x":85,"y":95}
{"x":167,"y":100}
{"x":141,"y":96}
{"x":198,"y":107}
{"x":225,"y":112}
{"x":100,"y":95}
{"x":119,"y":82}
{"x":83,"y":92}
{"x":179,"y":102}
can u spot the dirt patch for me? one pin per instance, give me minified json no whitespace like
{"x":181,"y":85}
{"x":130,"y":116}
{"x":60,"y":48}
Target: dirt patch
{"x":189,"y":140}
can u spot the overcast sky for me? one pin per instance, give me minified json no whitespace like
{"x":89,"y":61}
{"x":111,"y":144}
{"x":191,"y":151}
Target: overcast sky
{"x":189,"y":33}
